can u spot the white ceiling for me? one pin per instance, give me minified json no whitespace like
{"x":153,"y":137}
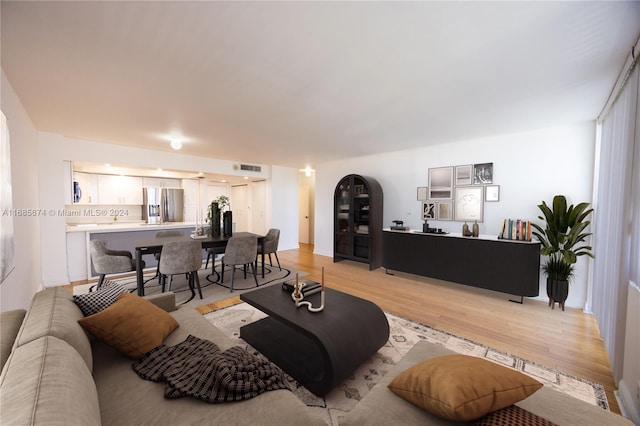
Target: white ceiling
{"x":301,"y":83}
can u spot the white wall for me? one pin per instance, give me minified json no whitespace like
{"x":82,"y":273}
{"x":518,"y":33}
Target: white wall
{"x":529,"y":167}
{"x":629,"y":386}
{"x":284,"y":198}
{"x":18,"y":288}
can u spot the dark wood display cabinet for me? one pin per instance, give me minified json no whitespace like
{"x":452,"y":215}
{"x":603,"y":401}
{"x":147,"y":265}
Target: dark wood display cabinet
{"x":358,"y":221}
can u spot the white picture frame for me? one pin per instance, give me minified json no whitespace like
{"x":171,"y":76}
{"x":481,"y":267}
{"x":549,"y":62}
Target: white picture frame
{"x":483,"y":174}
{"x":422,"y":193}
{"x":469,"y":201}
{"x":441,"y":183}
{"x":492,"y":193}
{"x":428,"y":210}
{"x":445,"y":211}
{"x":464,"y":175}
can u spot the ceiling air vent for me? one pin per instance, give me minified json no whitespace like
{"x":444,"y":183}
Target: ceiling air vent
{"x":250,"y":168}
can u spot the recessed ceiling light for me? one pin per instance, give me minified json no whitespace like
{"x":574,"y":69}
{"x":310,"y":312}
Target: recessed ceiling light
{"x":307,"y":171}
{"x":107,"y":165}
{"x":176,"y":144}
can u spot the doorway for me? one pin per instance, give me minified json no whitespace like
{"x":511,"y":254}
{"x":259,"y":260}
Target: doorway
{"x":306,"y":208}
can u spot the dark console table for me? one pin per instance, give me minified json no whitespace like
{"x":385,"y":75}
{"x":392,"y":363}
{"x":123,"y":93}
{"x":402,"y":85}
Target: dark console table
{"x":317,"y":349}
{"x":506,"y":266}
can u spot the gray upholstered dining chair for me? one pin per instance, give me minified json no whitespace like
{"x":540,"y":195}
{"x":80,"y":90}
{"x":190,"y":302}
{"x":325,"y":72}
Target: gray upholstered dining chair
{"x":181,"y":257}
{"x":164,"y":234}
{"x":241,"y":250}
{"x":106,"y":261}
{"x":270,"y":246}
{"x":212,"y":253}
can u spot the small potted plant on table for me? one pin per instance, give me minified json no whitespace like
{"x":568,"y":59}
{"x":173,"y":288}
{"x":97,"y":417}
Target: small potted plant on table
{"x":561,"y":241}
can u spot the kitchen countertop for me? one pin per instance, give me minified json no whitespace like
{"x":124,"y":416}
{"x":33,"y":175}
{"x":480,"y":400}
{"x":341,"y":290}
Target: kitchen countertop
{"x":125,"y":226}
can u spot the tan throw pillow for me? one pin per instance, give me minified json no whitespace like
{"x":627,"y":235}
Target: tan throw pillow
{"x":461,"y":387}
{"x":132,"y":325}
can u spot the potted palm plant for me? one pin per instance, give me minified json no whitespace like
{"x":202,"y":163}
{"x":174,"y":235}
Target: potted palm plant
{"x":563,"y":240}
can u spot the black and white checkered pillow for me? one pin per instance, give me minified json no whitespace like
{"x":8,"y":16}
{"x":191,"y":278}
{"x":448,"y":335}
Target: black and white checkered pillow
{"x":94,"y":302}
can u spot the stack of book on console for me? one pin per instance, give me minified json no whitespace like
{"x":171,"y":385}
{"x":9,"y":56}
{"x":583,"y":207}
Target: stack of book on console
{"x":515,"y":229}
{"x":307,"y":287}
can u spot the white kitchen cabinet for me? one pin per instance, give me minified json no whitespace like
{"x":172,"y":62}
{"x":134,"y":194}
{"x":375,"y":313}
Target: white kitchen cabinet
{"x":192,"y":210}
{"x":115,"y":190}
{"x":88,"y":184}
{"x":160,"y":182}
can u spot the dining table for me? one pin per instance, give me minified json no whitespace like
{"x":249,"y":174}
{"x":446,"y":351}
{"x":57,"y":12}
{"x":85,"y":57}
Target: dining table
{"x":154,"y":245}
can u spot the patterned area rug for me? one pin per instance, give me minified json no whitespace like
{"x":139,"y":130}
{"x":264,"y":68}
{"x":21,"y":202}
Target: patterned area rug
{"x":211,"y":292}
{"x":403,"y":335}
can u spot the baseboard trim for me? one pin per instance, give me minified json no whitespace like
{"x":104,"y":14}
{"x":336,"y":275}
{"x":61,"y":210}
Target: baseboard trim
{"x":626,"y":403}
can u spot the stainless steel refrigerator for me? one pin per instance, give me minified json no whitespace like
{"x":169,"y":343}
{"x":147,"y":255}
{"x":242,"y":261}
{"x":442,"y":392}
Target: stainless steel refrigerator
{"x":162,"y":205}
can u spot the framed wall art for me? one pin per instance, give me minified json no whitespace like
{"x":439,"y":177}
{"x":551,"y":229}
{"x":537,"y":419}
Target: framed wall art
{"x":483,"y":174}
{"x":445,"y":211}
{"x":464,"y":175}
{"x":428,"y":210}
{"x":422,"y":193}
{"x":469,"y":202}
{"x":441,"y":183}
{"x":492,"y":193}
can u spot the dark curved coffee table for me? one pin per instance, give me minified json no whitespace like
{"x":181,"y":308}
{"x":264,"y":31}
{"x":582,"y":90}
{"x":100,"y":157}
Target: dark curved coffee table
{"x":317,"y":349}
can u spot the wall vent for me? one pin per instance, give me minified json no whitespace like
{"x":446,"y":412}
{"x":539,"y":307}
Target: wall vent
{"x":250,"y":168}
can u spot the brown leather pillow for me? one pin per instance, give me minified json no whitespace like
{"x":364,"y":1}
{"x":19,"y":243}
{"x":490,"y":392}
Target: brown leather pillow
{"x":461,"y":387}
{"x":132,"y":325}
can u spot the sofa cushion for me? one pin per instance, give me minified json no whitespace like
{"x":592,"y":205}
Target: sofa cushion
{"x":53,"y":313}
{"x":462,"y":387}
{"x":132,"y":325}
{"x":512,"y":415}
{"x":47,"y":382}
{"x":10,"y":323}
{"x":95,"y":301}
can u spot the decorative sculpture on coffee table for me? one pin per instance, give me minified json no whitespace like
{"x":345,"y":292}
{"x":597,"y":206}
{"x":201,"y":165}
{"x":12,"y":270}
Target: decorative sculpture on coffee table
{"x":297,"y":295}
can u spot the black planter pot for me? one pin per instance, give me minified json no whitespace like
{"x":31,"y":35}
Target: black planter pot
{"x":557,"y":291}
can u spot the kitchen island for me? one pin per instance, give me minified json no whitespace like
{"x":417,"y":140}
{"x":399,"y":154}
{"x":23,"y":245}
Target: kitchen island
{"x":118,"y":235}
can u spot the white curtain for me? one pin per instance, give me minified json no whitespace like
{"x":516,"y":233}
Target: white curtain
{"x":634,"y":206}
{"x":616,"y":236}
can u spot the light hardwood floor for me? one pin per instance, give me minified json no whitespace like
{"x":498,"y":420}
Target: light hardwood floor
{"x":568,"y":341}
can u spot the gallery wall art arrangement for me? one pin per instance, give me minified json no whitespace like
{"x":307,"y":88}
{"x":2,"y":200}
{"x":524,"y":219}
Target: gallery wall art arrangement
{"x":458,"y":192}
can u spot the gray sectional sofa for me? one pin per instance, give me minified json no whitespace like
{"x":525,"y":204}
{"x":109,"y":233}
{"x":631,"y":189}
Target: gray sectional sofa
{"x":389,"y":409}
{"x":55,"y":374}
